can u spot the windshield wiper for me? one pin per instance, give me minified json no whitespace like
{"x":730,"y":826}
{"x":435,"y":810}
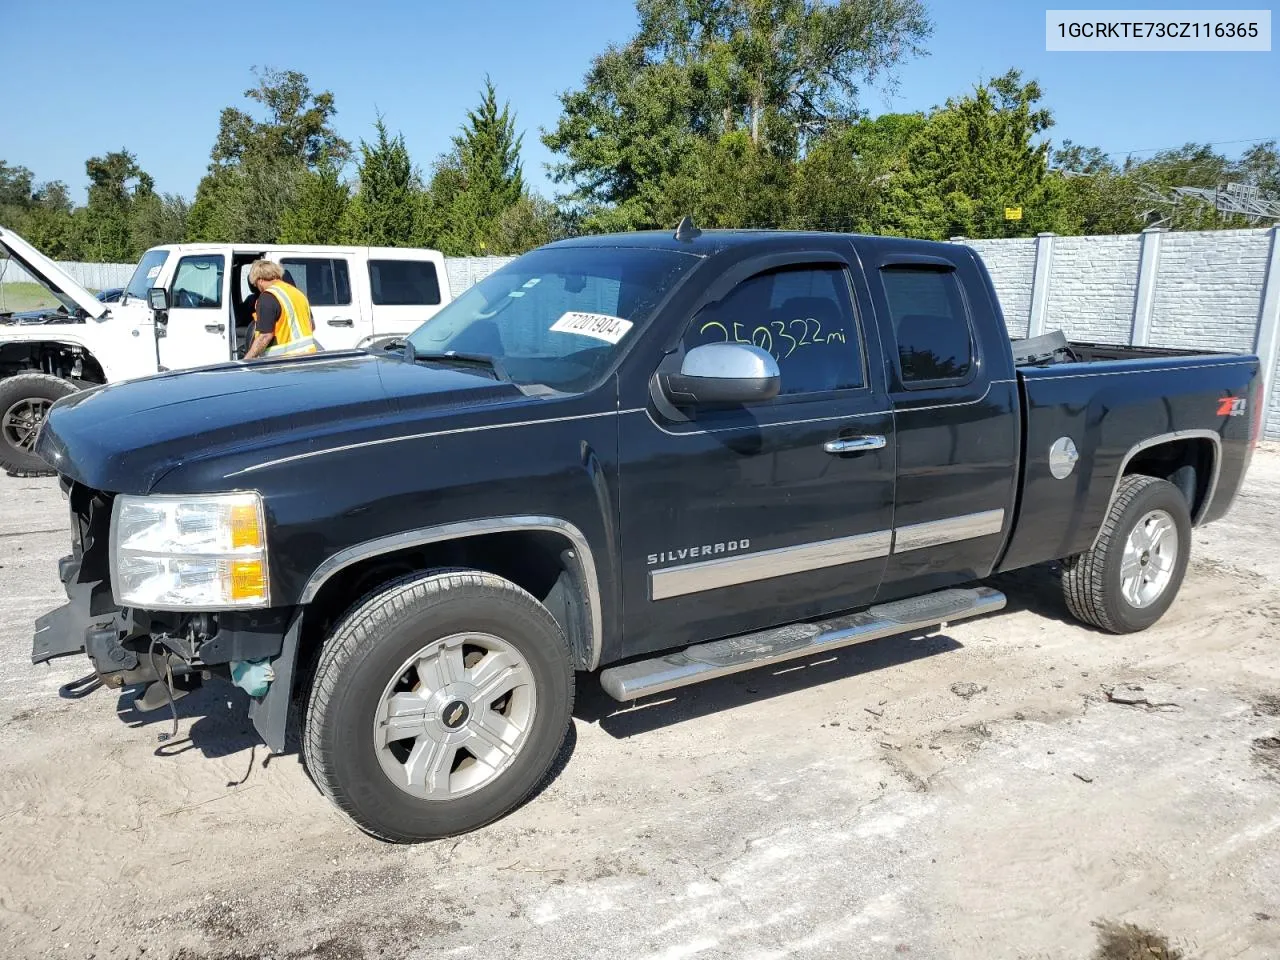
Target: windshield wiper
{"x":411,"y":355}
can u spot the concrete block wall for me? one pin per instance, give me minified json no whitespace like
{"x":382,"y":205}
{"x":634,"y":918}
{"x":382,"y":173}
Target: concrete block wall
{"x":1093,"y":285}
{"x":1012,"y":265}
{"x":1209,"y":288}
{"x":1212,"y":290}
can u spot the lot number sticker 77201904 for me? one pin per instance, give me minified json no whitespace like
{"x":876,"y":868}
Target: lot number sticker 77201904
{"x":601,"y":326}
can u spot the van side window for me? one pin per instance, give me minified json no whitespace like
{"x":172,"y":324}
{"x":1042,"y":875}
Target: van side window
{"x":327,"y":283}
{"x":930,"y":322}
{"x":803,"y":316}
{"x":197,"y":283}
{"x":400,"y":283}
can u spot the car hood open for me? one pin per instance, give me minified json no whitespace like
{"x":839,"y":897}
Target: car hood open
{"x":49,"y":274}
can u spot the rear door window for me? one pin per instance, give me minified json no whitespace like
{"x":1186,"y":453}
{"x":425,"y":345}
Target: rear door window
{"x":325,"y":281}
{"x":930,"y":323}
{"x":403,"y":283}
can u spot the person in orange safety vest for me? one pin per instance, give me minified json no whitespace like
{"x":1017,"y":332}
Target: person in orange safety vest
{"x":282,"y":316}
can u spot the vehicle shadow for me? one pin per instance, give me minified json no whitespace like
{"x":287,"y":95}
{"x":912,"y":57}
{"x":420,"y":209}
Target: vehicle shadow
{"x":1036,"y":589}
{"x":622,"y":720}
{"x":221,"y":724}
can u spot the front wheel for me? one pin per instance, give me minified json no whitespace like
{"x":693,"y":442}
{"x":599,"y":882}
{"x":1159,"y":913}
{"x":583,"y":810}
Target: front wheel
{"x":1132,"y":574}
{"x":25,"y":399}
{"x":438,"y":705}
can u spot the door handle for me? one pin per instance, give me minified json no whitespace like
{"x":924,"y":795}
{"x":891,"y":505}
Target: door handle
{"x":216,"y":327}
{"x":854,"y":444}
{"x":344,"y":322}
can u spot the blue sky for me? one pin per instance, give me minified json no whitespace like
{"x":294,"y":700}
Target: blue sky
{"x":154,"y":78}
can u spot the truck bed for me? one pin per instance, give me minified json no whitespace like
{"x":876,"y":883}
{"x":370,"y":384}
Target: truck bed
{"x":1054,"y":348}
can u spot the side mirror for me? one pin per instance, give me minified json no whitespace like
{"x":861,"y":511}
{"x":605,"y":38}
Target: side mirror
{"x":731,"y":373}
{"x":158,"y":298}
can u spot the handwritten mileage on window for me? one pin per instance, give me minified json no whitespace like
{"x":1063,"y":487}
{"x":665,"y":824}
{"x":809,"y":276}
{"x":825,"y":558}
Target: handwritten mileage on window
{"x":791,"y":335}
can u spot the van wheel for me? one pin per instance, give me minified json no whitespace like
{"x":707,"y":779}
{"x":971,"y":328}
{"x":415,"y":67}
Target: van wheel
{"x":25,"y":399}
{"x":1130,"y":577}
{"x":438,"y":705}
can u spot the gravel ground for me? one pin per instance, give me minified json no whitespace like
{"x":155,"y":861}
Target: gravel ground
{"x":1015,"y":787}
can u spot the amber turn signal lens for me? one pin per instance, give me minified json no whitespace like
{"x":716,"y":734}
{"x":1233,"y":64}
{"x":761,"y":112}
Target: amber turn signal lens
{"x":248,"y":580}
{"x":245,"y":530}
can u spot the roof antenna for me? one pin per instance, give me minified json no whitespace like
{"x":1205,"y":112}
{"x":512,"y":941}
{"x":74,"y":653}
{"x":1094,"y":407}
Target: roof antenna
{"x":686,"y":230}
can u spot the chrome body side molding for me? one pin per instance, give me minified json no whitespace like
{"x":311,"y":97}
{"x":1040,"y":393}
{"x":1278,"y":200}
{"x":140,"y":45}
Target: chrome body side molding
{"x":730,"y":571}
{"x":934,"y":533}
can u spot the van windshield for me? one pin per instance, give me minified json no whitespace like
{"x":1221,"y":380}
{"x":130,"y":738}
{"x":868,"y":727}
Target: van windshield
{"x":145,"y":274}
{"x":556,"y":316}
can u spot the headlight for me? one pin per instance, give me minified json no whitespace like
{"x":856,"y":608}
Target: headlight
{"x":189,"y":552}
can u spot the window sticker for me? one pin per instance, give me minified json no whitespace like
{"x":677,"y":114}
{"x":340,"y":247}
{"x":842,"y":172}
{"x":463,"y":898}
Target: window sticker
{"x":153,"y":272}
{"x":601,"y":326}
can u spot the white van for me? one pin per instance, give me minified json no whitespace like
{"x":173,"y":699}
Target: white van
{"x":357,"y":294}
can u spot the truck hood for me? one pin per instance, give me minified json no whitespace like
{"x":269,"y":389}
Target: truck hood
{"x":123,"y":437}
{"x":49,"y":274}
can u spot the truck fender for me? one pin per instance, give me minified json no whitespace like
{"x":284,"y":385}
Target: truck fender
{"x":270,"y":713}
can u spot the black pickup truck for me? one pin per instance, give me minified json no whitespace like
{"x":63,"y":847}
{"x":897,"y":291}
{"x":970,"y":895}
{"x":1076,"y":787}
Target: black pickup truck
{"x":663,"y":456}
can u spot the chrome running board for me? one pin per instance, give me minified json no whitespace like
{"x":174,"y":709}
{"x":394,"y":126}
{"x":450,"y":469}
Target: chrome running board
{"x":706,"y":661}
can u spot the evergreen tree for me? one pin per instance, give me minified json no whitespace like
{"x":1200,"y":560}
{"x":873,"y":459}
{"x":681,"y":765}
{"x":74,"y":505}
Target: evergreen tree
{"x":476,"y":183}
{"x":319,"y":208}
{"x":383,"y":211}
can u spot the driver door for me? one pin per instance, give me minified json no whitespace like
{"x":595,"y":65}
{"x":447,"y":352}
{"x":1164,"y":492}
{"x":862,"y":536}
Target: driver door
{"x":197,"y":331}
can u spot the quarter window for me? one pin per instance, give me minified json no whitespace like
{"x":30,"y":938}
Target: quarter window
{"x":930,"y":323}
{"x":197,"y":283}
{"x":327,"y":283}
{"x":803,"y":316}
{"x":404,"y":283}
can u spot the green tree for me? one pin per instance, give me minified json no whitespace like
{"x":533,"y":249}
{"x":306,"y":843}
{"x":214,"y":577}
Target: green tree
{"x":257,"y":165}
{"x":383,"y":210}
{"x":786,"y":71}
{"x":529,"y":222}
{"x":118,"y":187}
{"x":972,"y":159}
{"x":843,"y":182}
{"x":40,"y":212}
{"x":475,"y":184}
{"x":319,"y":207}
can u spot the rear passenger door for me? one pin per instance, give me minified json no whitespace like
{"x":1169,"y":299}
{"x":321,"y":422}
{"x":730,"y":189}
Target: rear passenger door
{"x":956,"y":418}
{"x":339,"y":317}
{"x":404,"y":292}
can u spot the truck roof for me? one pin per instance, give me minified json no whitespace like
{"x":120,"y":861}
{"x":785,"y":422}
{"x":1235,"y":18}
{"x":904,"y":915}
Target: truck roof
{"x":714,"y":241}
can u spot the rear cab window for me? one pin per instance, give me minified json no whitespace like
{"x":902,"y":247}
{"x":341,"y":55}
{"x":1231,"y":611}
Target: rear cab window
{"x":931,"y":325}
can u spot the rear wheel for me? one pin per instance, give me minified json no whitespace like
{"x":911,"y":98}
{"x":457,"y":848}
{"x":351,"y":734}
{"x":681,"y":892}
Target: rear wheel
{"x":1132,"y":574}
{"x":438,"y":705}
{"x":25,"y":400}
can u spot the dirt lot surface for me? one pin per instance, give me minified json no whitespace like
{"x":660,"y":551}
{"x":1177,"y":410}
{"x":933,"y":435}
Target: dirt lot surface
{"x":1014,"y":787}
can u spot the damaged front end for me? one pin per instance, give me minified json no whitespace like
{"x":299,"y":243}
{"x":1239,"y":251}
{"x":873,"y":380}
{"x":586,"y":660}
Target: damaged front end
{"x":164,"y":653}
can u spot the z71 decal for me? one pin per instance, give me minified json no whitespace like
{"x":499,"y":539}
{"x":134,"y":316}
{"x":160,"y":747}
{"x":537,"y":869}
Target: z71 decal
{"x":1232,"y":406}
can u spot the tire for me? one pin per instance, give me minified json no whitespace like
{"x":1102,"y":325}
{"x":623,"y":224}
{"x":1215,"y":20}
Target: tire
{"x":25,"y":399}
{"x":1104,"y":588}
{"x":372,"y":656}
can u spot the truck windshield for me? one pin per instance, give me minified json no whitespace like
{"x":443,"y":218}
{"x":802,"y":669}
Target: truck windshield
{"x":556,"y":317}
{"x":145,"y":274}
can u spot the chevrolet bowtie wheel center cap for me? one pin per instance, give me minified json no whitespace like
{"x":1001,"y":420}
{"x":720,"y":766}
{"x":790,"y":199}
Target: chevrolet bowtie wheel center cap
{"x":455,"y":714}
